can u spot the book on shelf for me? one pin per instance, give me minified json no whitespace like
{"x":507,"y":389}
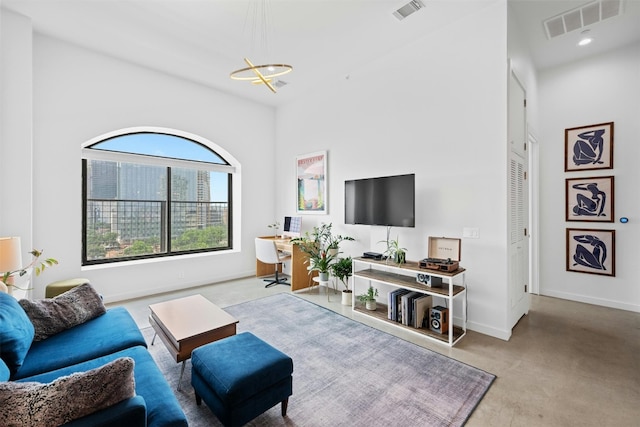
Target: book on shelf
{"x":394,"y":311}
{"x":421,"y":310}
{"x":407,"y":306}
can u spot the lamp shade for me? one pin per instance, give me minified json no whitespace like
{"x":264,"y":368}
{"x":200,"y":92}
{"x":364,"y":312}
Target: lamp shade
{"x":10,"y":254}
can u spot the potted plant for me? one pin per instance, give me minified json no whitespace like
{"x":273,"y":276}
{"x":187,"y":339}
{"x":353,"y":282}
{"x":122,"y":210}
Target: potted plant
{"x":7,"y":279}
{"x":322,"y":264}
{"x":333,"y":241}
{"x":276,"y":227}
{"x":320,"y":245}
{"x":395,"y":252}
{"x":369,"y":299}
{"x":342,"y":270}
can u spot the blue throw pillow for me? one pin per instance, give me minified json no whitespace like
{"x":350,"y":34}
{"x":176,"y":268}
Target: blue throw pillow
{"x":4,"y":371}
{"x":16,"y":332}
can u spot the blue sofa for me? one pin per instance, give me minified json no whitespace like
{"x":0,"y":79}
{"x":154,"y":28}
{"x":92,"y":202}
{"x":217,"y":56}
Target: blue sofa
{"x":90,"y":345}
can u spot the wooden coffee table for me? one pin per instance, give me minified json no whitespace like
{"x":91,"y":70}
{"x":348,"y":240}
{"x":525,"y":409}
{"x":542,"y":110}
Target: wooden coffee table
{"x":186,"y":323}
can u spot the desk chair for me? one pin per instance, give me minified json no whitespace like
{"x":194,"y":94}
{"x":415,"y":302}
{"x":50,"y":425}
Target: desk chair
{"x":267,"y":252}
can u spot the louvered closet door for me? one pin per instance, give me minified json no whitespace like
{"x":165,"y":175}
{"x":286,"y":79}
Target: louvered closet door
{"x":518,"y":204}
{"x":518,"y":239}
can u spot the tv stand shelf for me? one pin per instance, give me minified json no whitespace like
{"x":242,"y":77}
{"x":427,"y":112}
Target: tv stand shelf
{"x":371,"y":272}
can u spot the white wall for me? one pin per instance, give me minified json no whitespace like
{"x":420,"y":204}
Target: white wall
{"x":524,"y":68}
{"x":79,"y":94}
{"x":16,"y":129}
{"x":434,"y":109}
{"x":596,"y":90}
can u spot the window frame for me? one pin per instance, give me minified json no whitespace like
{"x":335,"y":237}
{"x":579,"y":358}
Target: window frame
{"x":88,"y":154}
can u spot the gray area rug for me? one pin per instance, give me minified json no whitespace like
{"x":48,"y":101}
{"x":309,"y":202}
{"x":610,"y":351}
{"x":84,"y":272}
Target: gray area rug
{"x":345,"y":373}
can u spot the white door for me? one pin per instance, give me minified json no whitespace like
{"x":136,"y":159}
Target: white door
{"x":518,"y":203}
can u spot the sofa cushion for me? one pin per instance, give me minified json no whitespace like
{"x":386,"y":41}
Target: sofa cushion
{"x":16,"y":332}
{"x":4,"y":371}
{"x":113,"y":331}
{"x":74,"y":307}
{"x":163,"y":408}
{"x":66,"y":398}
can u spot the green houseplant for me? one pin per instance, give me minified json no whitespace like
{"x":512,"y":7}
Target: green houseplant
{"x":342,"y":270}
{"x":7,"y":278}
{"x":394,"y":251}
{"x":321,"y":247}
{"x":369,"y":298}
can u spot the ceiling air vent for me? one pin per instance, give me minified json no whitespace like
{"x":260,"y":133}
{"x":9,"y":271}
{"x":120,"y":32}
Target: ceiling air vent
{"x":408,"y":9}
{"x":280,"y":83}
{"x":583,"y":16}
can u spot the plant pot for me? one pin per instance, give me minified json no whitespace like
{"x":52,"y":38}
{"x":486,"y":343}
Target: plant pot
{"x":400,"y":257}
{"x":323,"y":276}
{"x":370,"y":305}
{"x":346,"y":297}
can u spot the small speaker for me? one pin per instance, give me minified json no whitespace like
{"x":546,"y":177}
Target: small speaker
{"x":439,"y":319}
{"x":431,"y":281}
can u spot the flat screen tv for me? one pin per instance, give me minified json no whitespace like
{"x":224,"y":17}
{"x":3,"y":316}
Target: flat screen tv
{"x":387,"y":200}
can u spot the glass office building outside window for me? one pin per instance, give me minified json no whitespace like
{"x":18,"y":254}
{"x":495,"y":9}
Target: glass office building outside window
{"x":166,"y":195}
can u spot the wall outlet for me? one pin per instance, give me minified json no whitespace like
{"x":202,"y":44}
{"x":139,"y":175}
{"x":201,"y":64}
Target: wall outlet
{"x":471,"y":232}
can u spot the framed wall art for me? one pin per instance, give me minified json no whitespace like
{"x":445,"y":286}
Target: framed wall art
{"x":591,"y":251}
{"x":590,"y":199}
{"x":588,"y":147}
{"x":311,"y":174}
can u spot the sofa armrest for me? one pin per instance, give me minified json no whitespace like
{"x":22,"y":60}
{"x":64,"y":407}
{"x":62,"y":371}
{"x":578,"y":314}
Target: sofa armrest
{"x":128,"y":413}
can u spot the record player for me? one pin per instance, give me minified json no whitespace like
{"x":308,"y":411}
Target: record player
{"x":444,"y":254}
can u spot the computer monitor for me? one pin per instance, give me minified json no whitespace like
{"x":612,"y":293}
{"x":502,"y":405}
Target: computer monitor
{"x":292,"y":225}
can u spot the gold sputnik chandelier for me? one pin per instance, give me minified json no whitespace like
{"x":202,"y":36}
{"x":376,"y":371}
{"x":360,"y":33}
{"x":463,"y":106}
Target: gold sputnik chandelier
{"x":265,"y":74}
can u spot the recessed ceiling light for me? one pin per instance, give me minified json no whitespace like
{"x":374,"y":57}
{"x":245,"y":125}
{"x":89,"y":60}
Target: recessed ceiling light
{"x":586,"y":38}
{"x":585,"y":41}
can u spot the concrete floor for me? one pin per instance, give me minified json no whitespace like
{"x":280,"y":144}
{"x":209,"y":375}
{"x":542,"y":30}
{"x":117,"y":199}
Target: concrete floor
{"x":566,"y":364}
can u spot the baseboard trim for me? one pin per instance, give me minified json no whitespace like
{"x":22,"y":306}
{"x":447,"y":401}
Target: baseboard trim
{"x":591,"y":300}
{"x":489,"y":330}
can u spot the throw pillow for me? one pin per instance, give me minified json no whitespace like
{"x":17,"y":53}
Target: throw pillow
{"x":74,"y":307}
{"x":66,"y":398}
{"x":5,"y":374}
{"x":16,"y":332}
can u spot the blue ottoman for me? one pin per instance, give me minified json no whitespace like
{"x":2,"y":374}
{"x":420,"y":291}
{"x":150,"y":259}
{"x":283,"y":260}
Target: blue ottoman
{"x":240,"y":377}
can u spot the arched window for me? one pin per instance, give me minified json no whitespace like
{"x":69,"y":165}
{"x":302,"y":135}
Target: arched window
{"x":154,"y":193}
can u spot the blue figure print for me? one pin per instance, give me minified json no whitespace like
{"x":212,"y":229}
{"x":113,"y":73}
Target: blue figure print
{"x":593,"y":259}
{"x":589,"y":206}
{"x":588,"y":149}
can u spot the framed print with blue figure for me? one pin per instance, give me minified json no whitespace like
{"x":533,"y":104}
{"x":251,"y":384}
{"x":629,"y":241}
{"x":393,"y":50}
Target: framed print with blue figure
{"x":591,"y":251}
{"x":588,"y":147}
{"x":589,"y":199}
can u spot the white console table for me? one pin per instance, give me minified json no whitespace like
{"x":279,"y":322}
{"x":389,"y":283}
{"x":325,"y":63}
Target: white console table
{"x":368,"y":272}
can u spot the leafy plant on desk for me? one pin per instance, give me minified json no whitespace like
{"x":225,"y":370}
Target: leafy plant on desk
{"x":275,"y":226}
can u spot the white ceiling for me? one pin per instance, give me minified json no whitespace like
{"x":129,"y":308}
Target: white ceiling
{"x":204,"y":40}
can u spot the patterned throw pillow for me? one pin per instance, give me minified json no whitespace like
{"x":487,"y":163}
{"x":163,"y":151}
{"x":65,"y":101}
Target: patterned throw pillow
{"x":74,"y":307}
{"x":66,"y":398}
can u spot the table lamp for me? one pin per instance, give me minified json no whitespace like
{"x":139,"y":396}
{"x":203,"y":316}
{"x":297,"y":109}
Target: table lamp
{"x":10,"y":258}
